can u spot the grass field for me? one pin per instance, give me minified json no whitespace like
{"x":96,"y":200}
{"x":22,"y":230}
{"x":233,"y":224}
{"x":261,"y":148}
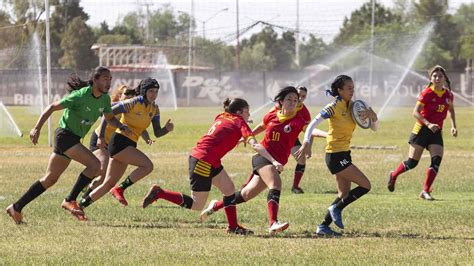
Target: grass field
{"x":381,"y":228}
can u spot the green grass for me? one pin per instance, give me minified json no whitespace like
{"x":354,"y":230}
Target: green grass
{"x":381,"y":228}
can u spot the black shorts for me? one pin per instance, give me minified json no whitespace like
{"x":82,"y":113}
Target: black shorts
{"x":426,"y":137}
{"x":201,"y":174}
{"x":93,"y":142}
{"x":64,"y":140}
{"x":297,"y":143}
{"x":258,"y":161}
{"x":338,"y":161}
{"x":118,"y":143}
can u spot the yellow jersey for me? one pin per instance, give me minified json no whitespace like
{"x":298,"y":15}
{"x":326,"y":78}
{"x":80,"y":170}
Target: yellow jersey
{"x":109,"y":129}
{"x":137,"y":116}
{"x":341,"y":125}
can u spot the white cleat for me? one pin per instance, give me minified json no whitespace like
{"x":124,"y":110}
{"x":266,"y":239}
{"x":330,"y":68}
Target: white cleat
{"x":278,"y":227}
{"x":208,"y":211}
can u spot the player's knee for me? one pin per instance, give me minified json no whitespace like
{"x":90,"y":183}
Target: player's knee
{"x":435,"y":162}
{"x":410,"y":163}
{"x":94,"y":167}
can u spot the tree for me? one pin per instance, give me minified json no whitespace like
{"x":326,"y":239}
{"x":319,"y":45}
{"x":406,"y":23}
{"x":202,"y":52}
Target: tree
{"x":76,"y":44}
{"x":253,"y":58}
{"x":214,"y":54}
{"x":64,"y":12}
{"x":356,"y":29}
{"x":312,"y":50}
{"x":464,"y":19}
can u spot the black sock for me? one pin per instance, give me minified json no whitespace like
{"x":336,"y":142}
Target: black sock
{"x":82,"y":182}
{"x":125,"y":184}
{"x":229,"y":200}
{"x":238,"y":198}
{"x":85,"y":202}
{"x":35,"y":190}
{"x":352,"y":196}
{"x":88,"y":191}
{"x":327,"y":219}
{"x":187,"y":202}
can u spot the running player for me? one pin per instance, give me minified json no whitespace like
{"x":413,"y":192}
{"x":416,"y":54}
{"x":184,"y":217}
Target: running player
{"x":338,"y":154}
{"x":430,"y":111}
{"x":205,"y":168}
{"x":138,"y":113}
{"x":282,"y":127}
{"x":121,"y":93}
{"x":86,"y":102}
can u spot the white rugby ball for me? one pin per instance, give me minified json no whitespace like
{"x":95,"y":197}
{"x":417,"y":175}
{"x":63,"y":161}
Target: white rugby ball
{"x":357,"y":107}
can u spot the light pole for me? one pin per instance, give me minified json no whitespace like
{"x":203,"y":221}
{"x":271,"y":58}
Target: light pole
{"x":211,"y":17}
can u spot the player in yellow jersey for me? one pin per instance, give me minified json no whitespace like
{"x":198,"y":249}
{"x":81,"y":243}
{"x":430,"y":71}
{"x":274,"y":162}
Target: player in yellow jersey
{"x":338,"y":154}
{"x":137,"y":113}
{"x":121,"y":93}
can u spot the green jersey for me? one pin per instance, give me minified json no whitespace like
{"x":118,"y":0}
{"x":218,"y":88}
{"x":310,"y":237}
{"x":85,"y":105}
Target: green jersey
{"x":82,"y":110}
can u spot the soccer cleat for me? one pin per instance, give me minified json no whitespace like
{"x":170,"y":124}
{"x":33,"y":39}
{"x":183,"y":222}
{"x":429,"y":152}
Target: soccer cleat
{"x":297,"y":190}
{"x":208,"y":211}
{"x":325,"y":230}
{"x":239,"y":230}
{"x":117,"y":193}
{"x":16,"y":216}
{"x":278,"y":227}
{"x":151,"y":196}
{"x":391,"y":183}
{"x":336,"y":216}
{"x":426,"y":196}
{"x":74,"y":209}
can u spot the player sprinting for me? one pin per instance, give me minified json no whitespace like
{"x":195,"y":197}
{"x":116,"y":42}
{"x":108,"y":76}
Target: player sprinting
{"x":205,"y":167}
{"x":137,"y":113}
{"x":338,"y":154}
{"x":431,"y":109}
{"x":282,"y":126}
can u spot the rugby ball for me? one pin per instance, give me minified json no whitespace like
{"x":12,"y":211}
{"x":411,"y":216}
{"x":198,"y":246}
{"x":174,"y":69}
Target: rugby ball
{"x":357,"y":107}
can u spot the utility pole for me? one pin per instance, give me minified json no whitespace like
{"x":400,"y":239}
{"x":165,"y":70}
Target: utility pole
{"x":48,"y":69}
{"x":190,"y":53}
{"x":297,"y":35}
{"x":371,"y":70}
{"x":237,"y":48}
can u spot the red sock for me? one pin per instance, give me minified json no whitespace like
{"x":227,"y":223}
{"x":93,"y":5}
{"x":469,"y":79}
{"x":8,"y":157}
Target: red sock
{"x":297,"y":179}
{"x":231,"y":214}
{"x":219,"y":205}
{"x":400,"y":169}
{"x":248,"y":180}
{"x":171,"y":196}
{"x":273,"y":210}
{"x":430,"y":177}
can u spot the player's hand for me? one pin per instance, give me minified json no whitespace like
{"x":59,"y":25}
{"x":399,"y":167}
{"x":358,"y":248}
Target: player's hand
{"x":454,"y":132}
{"x":34,"y":135}
{"x":126,"y":130}
{"x":368,"y":113}
{"x":278,"y":166}
{"x":100,"y":143}
{"x":304,"y":150}
{"x":433,"y":127}
{"x":169,"y":125}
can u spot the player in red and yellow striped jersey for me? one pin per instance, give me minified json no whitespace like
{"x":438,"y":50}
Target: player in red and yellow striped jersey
{"x":282,"y":126}
{"x":205,"y":168}
{"x":431,"y":109}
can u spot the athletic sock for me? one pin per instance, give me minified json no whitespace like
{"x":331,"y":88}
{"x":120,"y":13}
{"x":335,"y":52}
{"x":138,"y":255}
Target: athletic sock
{"x":230,"y":210}
{"x":430,"y":177}
{"x":399,"y":170}
{"x":327,"y":219}
{"x":176,"y":198}
{"x":125,"y":184}
{"x":82,"y":182}
{"x":273,"y":200}
{"x":33,"y":192}
{"x":353,"y":195}
{"x":85,"y":202}
{"x":299,"y":171}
